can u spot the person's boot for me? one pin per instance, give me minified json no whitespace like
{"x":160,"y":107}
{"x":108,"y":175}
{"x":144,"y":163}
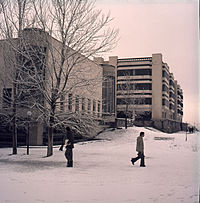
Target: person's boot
{"x":70,"y":164}
{"x":142,"y":164}
{"x":61,"y":148}
{"x":133,"y":161}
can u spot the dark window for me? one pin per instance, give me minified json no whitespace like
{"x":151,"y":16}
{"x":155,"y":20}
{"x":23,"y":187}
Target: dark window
{"x":77,"y":103}
{"x":165,"y":74}
{"x":62,"y":99}
{"x":165,"y":88}
{"x":70,"y":102}
{"x":171,"y":106}
{"x":146,"y":115}
{"x":165,"y":102}
{"x":180,"y":94}
{"x":136,"y":101}
{"x":171,"y":83}
{"x":142,"y":79}
{"x":131,"y":93}
{"x":136,"y":86}
{"x":133,"y":72}
{"x":99,"y":108}
{"x":94,"y":105}
{"x":108,"y":95}
{"x":180,"y":112}
{"x":89,"y":105}
{"x":83,"y":104}
{"x":172,"y":95}
{"x":143,"y":72}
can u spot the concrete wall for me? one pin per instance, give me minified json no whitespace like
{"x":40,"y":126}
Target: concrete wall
{"x":168,"y":126}
{"x":85,"y":79}
{"x":156,"y":86}
{"x":35,"y":133}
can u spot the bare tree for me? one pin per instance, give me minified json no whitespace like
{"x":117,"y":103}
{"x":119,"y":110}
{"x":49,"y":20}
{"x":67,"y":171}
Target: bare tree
{"x":54,"y":57}
{"x":13,"y":17}
{"x":82,"y":32}
{"x":126,"y":92}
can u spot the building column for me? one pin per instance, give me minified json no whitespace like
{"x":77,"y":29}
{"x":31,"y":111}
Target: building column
{"x":36,"y":133}
{"x":156,"y":86}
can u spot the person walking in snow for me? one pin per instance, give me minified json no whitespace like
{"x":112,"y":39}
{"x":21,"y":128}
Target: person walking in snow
{"x":140,"y":150}
{"x":69,"y":147}
{"x":62,"y":144}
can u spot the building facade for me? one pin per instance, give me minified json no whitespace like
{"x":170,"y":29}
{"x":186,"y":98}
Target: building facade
{"x":146,"y":89}
{"x":39,"y":58}
{"x":143,"y":88}
{"x":108,"y":90}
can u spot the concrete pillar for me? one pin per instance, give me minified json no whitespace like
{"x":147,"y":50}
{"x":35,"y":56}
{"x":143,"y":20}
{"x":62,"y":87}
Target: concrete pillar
{"x":113,"y":60}
{"x":35,"y":133}
{"x":156,"y":86}
{"x":98,"y":60}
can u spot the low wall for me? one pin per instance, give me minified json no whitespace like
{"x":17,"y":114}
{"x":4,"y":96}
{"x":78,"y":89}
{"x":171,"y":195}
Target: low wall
{"x":168,"y":126}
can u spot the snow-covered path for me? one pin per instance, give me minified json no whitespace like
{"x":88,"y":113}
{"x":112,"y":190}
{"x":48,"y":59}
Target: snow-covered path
{"x":103,"y":172}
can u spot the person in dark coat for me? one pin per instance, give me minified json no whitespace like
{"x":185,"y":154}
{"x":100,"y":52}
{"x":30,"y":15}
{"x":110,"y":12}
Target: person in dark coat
{"x":69,"y":147}
{"x":63,"y":142}
{"x":140,"y":150}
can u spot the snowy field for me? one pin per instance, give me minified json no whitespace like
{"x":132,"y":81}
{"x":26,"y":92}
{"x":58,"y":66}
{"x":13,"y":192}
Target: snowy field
{"x":103,"y":172}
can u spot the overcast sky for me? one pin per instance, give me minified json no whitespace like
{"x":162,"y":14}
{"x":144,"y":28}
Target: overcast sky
{"x":169,"y":27}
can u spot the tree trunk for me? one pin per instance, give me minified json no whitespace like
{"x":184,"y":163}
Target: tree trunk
{"x":14,"y":140}
{"x":126,"y":123}
{"x":14,"y":136}
{"x":50,"y":141}
{"x":50,"y":132}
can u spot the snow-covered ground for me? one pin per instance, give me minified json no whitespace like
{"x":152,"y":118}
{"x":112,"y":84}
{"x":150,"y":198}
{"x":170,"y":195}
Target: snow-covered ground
{"x":103,"y":172}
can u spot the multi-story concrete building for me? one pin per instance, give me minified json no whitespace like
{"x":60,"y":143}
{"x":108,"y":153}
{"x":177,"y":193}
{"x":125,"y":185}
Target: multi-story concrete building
{"x":40,"y":57}
{"x":138,"y":88}
{"x":145,"y":89}
{"x":108,"y":90}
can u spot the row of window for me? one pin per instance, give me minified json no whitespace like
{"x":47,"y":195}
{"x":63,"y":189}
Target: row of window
{"x":165,"y":74}
{"x":134,"y":72}
{"x":180,"y":112}
{"x":131,"y":93}
{"x":180,"y":94}
{"x":165,"y":102}
{"x":136,"y":86}
{"x":81,"y":102}
{"x":108,"y":95}
{"x":136,"y":101}
{"x":7,"y":101}
{"x":171,"y":106}
{"x":165,"y":88}
{"x":171,"y":82}
{"x":172,"y":95}
{"x":180,"y":103}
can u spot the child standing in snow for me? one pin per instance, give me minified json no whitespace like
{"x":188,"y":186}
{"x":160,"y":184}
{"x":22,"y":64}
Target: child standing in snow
{"x":140,"y":150}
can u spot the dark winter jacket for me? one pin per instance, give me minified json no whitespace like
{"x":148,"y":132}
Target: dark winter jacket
{"x":140,"y":144}
{"x":70,"y":137}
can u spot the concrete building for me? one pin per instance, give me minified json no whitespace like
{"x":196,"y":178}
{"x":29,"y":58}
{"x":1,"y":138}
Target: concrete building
{"x":82,"y":95}
{"x":108,"y":91}
{"x":146,"y":89}
{"x":140,"y":88}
